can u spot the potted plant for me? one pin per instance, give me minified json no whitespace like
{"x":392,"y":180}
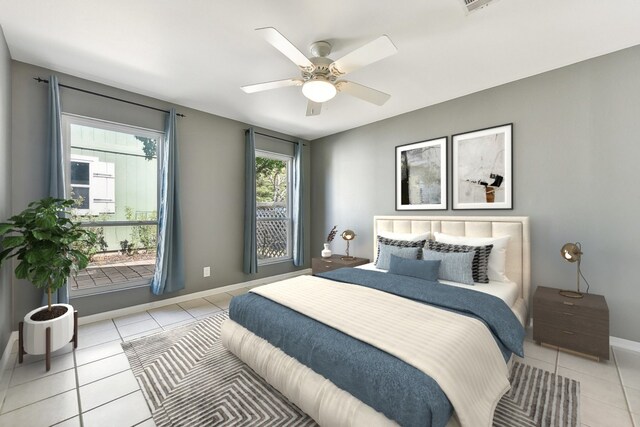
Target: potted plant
{"x":49,"y":248}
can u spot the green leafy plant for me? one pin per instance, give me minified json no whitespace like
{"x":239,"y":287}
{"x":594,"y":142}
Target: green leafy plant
{"x":271,"y":180}
{"x":149,"y":147}
{"x":143,"y":236}
{"x":47,"y":244}
{"x":127,"y":247}
{"x":91,"y":248}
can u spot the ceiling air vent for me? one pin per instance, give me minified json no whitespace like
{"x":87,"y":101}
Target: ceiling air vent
{"x":473,"y":5}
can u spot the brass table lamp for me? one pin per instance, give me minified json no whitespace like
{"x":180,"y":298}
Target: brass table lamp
{"x":348,"y":235}
{"x":572,"y":252}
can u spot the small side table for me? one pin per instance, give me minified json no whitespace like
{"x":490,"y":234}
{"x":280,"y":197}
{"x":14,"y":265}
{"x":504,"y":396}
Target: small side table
{"x":579,"y":325}
{"x":321,"y":265}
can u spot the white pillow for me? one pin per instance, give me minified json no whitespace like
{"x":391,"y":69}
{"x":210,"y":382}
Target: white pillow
{"x":497,"y":257}
{"x":409,"y":237}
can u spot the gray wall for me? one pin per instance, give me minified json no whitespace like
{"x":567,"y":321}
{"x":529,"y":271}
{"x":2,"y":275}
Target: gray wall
{"x":5,"y":185}
{"x":211,"y":153}
{"x":576,"y":162}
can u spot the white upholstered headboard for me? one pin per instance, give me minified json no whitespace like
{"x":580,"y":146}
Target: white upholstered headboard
{"x":518,"y":267}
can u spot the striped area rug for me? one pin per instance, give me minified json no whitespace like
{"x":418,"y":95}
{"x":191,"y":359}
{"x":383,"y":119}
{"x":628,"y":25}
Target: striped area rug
{"x":538,"y":398}
{"x":189,"y":379}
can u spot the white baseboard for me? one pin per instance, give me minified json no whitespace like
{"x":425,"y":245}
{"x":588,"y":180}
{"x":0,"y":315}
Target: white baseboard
{"x":626,"y":344}
{"x":5,"y":361}
{"x":182,"y":298}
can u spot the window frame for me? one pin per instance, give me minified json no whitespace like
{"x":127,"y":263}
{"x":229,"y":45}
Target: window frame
{"x":289,"y":161}
{"x":78,"y":158}
{"x":69,"y":119}
{"x":86,"y":160}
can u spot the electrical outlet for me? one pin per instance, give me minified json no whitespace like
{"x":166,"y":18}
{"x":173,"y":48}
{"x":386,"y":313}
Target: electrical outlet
{"x":206,"y":272}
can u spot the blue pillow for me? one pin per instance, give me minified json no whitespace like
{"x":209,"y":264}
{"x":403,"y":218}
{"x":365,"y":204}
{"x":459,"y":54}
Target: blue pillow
{"x":456,"y":267}
{"x":384,"y":257}
{"x":427,"y":270}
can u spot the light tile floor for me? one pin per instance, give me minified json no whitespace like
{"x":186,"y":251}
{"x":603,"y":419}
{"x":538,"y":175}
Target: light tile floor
{"x":609,"y":390}
{"x":94,"y":385}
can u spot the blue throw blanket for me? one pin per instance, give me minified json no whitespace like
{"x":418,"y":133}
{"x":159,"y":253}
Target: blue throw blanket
{"x":398,"y":390}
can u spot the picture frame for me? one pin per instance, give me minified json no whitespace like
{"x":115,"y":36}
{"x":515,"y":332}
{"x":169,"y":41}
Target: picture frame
{"x":421,"y":175}
{"x":482,"y":168}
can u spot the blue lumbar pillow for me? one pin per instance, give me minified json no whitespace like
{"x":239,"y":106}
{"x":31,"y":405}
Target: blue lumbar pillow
{"x":427,"y":270}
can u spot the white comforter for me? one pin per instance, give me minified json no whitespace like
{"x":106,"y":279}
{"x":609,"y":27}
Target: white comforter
{"x":457,"y":351}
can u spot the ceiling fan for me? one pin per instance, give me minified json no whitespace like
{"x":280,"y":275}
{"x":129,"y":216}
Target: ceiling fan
{"x":320,"y":74}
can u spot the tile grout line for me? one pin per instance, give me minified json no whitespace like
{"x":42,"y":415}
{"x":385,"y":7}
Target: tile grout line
{"x":9,"y":383}
{"x":624,"y":392}
{"x":118,"y":330}
{"x":113,"y":400}
{"x":108,"y":376}
{"x":75,"y":369}
{"x":53,"y":357}
{"x":64,"y":421}
{"x":76,"y":366}
{"x":131,"y":323}
{"x":628,"y":408}
{"x":122,"y":337}
{"x":43,"y":399}
{"x":78,"y":381}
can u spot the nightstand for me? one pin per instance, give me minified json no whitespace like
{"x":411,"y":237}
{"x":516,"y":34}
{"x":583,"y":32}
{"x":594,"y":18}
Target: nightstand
{"x":577,"y":324}
{"x":320,"y":265}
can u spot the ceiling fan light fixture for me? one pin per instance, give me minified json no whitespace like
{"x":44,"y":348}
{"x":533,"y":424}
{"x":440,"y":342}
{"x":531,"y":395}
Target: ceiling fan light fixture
{"x":319,"y":90}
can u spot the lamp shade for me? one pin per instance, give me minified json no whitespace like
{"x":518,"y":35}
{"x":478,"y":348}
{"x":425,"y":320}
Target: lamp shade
{"x":348,"y":235}
{"x":319,"y":90}
{"x":571,"y":251}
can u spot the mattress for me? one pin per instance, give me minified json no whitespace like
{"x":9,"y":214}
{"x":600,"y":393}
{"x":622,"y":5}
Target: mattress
{"x":509,"y":292}
{"x":315,"y":395}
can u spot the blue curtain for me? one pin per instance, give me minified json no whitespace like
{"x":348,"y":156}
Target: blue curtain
{"x":298,"y":204}
{"x":250,"y":265}
{"x":169,"y":274}
{"x":57,"y":184}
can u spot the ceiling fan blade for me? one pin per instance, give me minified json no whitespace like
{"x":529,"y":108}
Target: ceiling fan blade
{"x":280,"y":42}
{"x":371,"y":52}
{"x":259,"y":87}
{"x":313,"y":108}
{"x":363,"y":92}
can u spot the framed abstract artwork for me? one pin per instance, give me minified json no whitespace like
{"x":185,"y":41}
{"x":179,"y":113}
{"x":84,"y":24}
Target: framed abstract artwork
{"x":421,"y":175}
{"x":482,"y":168}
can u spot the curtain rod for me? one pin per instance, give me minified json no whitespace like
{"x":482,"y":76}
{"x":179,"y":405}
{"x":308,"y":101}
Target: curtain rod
{"x":41,"y":80}
{"x":281,"y":139}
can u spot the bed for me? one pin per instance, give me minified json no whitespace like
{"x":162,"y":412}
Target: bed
{"x":357,"y":370}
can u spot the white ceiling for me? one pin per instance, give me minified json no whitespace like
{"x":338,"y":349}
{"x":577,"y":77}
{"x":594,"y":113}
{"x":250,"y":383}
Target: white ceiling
{"x":198,"y":53}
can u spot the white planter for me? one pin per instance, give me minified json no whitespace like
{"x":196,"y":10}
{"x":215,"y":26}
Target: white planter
{"x":34,"y":333}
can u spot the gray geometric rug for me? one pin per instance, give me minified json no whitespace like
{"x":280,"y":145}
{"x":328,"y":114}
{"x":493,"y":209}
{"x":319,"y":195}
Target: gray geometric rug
{"x":190,"y":379}
{"x":538,"y":398}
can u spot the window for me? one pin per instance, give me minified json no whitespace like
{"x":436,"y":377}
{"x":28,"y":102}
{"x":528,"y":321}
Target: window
{"x":92,"y":185}
{"x":80,"y":183}
{"x":113,"y":176}
{"x":273,"y":210}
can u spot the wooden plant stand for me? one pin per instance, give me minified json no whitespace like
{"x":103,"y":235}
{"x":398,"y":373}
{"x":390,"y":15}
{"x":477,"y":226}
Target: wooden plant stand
{"x":47,"y":359}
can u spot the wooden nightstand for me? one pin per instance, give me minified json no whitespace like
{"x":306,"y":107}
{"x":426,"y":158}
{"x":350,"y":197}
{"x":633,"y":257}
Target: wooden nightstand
{"x":576,"y":324}
{"x":320,"y":265}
